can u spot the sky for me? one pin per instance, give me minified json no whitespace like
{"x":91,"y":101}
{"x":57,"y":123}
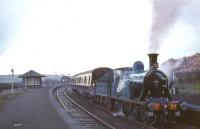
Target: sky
{"x":71,"y":36}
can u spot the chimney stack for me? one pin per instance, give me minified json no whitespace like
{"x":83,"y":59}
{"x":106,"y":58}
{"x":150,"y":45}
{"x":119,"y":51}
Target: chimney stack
{"x":153,"y":64}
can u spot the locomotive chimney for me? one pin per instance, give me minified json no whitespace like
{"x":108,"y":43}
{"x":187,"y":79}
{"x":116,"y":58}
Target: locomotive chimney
{"x":153,"y":64}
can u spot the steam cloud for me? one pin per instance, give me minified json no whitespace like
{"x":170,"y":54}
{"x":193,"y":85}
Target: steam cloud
{"x":169,"y":67}
{"x":165,"y":14}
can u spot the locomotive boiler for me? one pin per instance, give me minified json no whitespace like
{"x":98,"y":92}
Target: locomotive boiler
{"x":142,"y":94}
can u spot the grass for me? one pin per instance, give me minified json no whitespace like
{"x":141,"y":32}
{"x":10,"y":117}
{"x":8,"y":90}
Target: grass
{"x":5,"y":98}
{"x":196,"y":86}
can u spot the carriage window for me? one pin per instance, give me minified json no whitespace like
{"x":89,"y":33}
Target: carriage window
{"x":79,"y":79}
{"x":85,"y":79}
{"x":89,"y":79}
{"x":82,"y":79}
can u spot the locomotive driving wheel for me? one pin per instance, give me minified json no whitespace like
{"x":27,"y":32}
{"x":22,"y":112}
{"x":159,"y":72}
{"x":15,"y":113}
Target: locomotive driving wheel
{"x":135,"y":113}
{"x":117,"y":106}
{"x":126,"y":108}
{"x":148,"y":117}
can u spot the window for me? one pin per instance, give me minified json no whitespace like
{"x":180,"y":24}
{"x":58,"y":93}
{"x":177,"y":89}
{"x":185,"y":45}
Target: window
{"x":85,"y":79}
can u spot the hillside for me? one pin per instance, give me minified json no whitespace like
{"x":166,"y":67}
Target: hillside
{"x":186,"y":69}
{"x":187,"y":64}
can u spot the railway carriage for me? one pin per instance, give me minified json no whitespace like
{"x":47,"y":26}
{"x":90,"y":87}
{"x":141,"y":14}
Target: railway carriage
{"x":85,"y":82}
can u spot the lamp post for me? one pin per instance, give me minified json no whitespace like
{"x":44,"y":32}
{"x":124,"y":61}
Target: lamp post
{"x":12,"y":78}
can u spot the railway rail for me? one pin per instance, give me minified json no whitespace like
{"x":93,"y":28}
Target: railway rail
{"x":85,"y":118}
{"x":102,"y":116}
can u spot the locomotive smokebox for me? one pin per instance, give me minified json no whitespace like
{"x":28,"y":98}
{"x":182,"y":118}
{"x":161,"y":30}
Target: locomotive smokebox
{"x":153,"y":64}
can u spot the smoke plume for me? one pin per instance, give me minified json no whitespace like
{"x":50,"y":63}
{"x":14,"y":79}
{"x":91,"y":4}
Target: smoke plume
{"x":165,"y":14}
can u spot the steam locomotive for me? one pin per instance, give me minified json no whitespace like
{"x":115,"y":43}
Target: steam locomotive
{"x":144,"y":95}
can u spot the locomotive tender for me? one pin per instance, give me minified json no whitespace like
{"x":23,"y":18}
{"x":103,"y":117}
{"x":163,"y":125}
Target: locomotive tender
{"x":142,"y":94}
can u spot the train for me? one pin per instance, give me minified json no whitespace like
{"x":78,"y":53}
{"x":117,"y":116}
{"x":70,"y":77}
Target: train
{"x":142,"y":94}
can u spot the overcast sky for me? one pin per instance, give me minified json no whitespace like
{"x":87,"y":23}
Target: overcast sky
{"x":70,"y":36}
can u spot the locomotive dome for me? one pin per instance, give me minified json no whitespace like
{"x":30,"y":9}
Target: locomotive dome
{"x":138,"y":66}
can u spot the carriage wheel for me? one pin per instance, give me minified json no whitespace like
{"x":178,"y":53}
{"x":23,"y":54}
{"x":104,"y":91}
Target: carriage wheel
{"x":102,"y":101}
{"x":95,"y":100}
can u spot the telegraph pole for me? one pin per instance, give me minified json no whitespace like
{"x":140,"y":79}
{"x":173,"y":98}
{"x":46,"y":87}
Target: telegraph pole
{"x":12,"y":78}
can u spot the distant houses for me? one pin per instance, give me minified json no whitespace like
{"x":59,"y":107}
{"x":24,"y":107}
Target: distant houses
{"x":32,"y":79}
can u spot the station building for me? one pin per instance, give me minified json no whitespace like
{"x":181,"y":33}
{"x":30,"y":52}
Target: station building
{"x":31,"y":79}
{"x":65,"y":79}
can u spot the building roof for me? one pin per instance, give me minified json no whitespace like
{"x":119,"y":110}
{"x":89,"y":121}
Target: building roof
{"x":90,"y":71}
{"x":31,"y":73}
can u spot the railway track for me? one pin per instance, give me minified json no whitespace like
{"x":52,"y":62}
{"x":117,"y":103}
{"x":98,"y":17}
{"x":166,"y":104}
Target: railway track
{"x":88,"y":118}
